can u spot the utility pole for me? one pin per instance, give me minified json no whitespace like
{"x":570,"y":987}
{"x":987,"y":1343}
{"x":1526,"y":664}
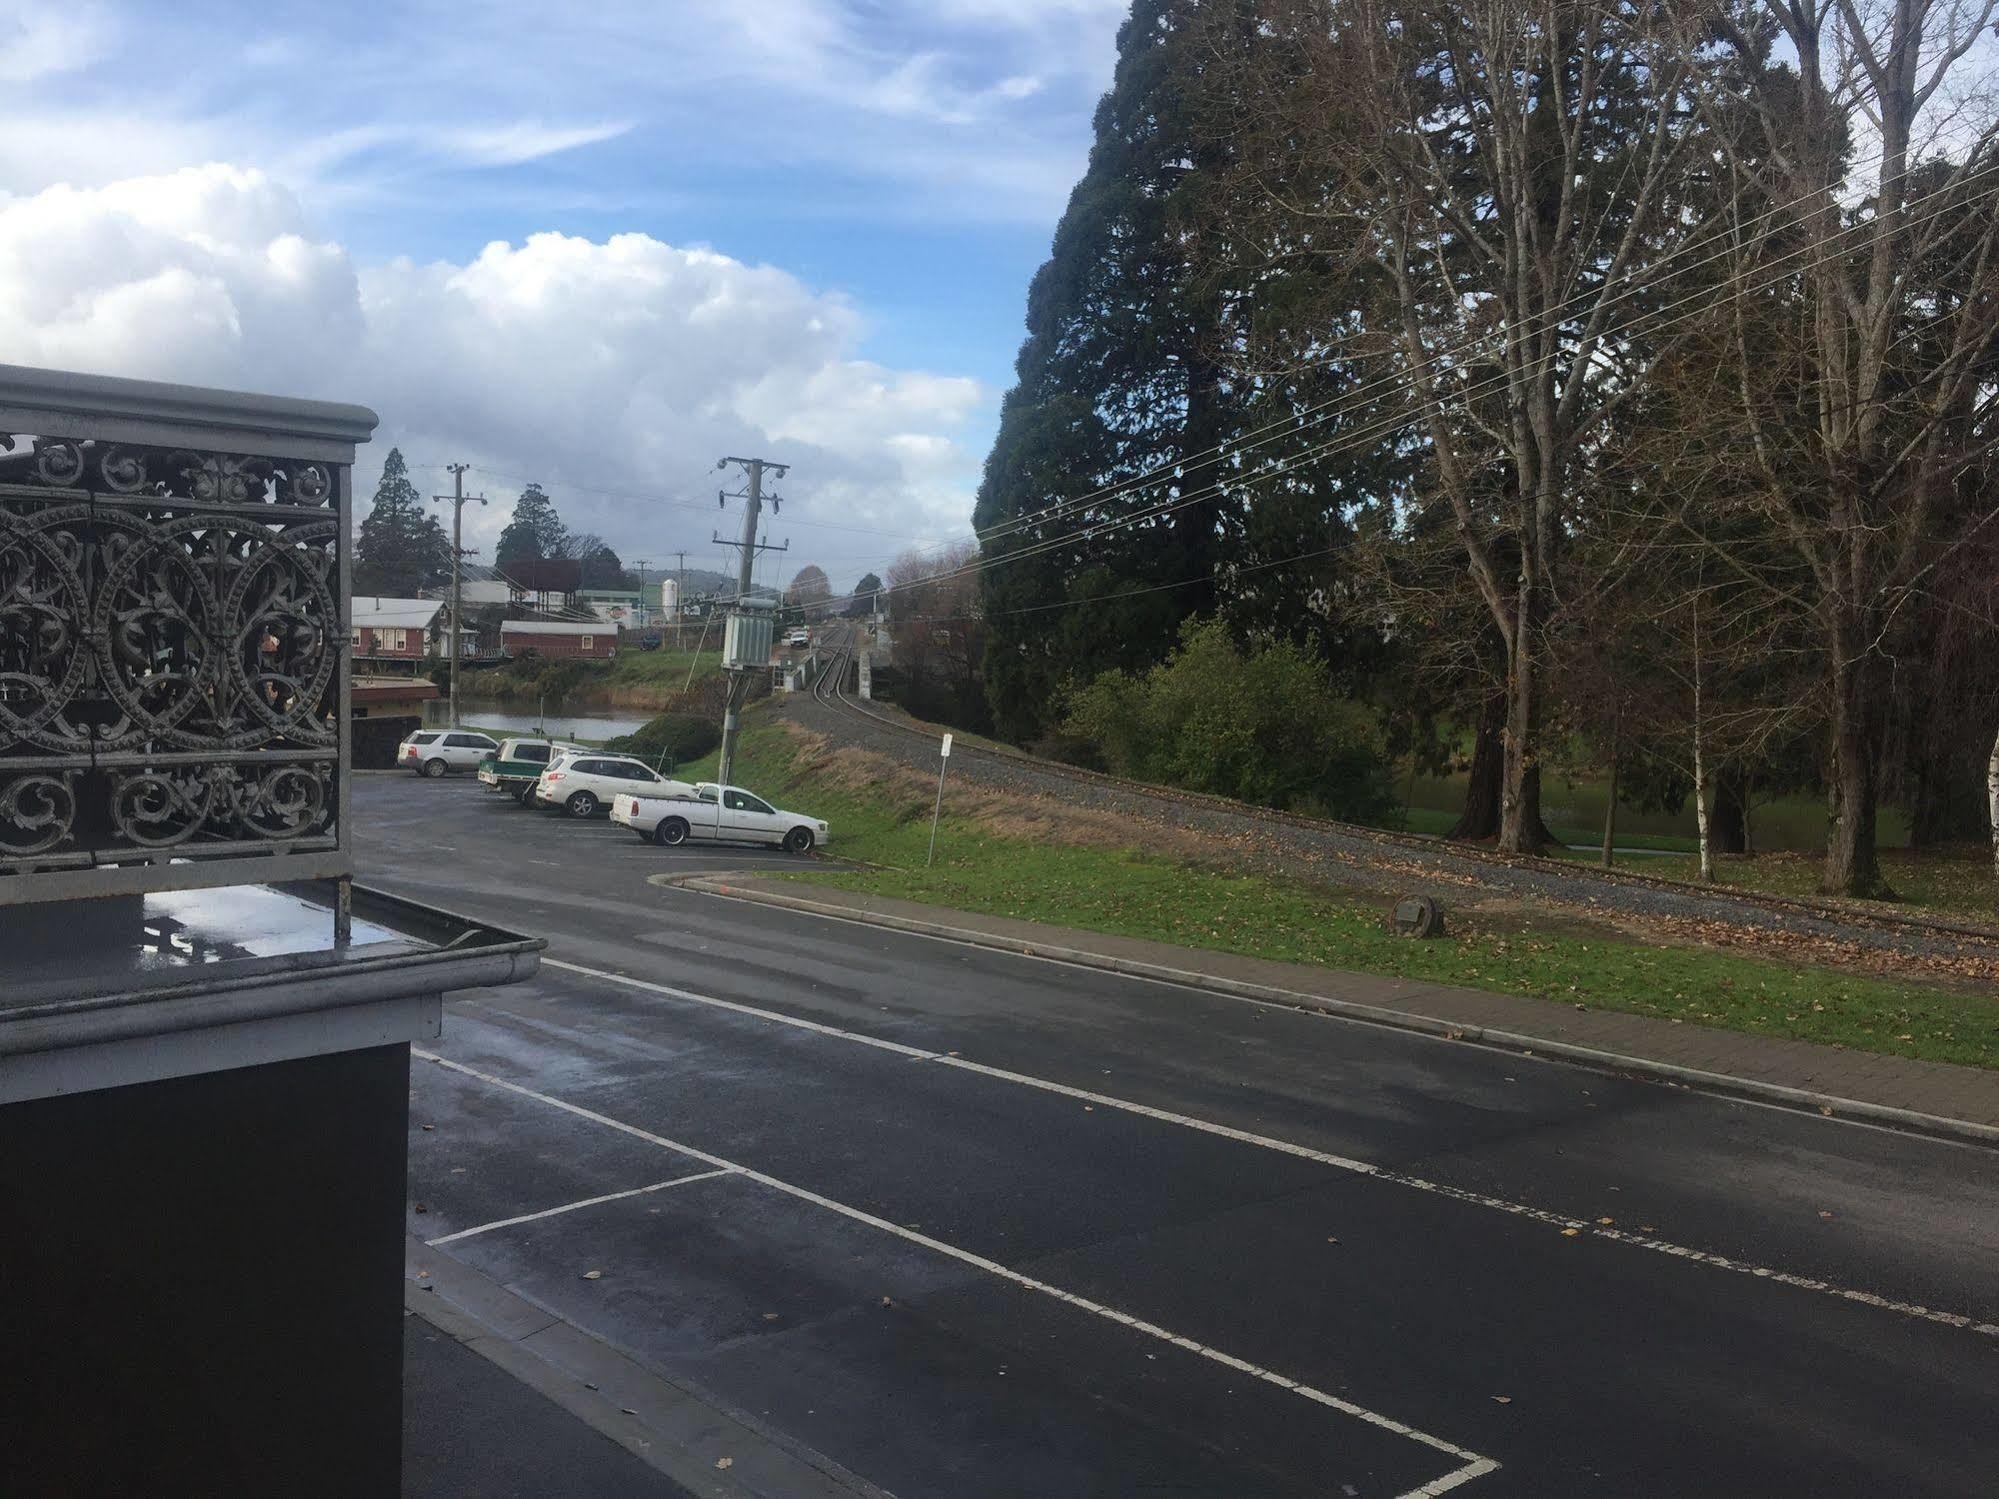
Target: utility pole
{"x":458,"y":497}
{"x":740,"y":671}
{"x":680,"y":586}
{"x":642,"y":564}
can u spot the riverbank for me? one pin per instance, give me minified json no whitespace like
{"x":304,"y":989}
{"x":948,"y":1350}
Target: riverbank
{"x":641,"y":681}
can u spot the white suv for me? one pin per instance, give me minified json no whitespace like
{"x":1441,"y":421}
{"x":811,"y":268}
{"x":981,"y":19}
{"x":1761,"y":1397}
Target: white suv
{"x":432,"y":752}
{"x":582,"y":783}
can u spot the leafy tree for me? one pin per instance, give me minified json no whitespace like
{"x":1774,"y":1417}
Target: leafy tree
{"x":1117,"y":379}
{"x":401,"y":548}
{"x":1255,"y":724}
{"x":535,"y":532}
{"x":862,"y":604}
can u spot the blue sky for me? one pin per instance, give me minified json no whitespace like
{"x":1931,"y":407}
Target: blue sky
{"x":883,"y":175}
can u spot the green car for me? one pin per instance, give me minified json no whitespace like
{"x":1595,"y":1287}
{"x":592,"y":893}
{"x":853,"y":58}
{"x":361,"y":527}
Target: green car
{"x":518,"y":765}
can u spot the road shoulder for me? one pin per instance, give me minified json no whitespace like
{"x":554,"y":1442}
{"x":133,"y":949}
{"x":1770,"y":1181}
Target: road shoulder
{"x":679,"y":1432}
{"x":1929,"y":1097}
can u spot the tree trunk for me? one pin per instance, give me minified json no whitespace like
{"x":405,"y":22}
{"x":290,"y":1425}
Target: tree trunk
{"x":1610,"y":799}
{"x":1852,"y":865}
{"x":1702,"y":792}
{"x":1480,"y":818}
{"x":1992,"y":806}
{"x":1728,"y":824}
{"x":1520,"y":830}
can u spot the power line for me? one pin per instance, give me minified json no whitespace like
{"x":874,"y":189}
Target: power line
{"x":1381,"y":426}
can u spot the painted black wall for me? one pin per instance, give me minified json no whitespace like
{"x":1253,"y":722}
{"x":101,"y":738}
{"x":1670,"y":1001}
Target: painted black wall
{"x":201,"y":1284}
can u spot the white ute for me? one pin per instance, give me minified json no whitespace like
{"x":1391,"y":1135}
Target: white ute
{"x":717,"y":814}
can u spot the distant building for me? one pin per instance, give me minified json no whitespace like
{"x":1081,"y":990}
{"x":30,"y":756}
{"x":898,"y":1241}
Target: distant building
{"x":548,"y":637}
{"x":402,"y":630}
{"x":390,"y":629}
{"x":623,"y":607}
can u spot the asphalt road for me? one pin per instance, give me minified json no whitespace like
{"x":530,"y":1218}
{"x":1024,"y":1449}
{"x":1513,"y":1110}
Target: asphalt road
{"x":975,"y":1224}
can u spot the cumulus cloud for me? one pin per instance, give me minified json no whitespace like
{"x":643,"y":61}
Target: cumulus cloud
{"x":625,"y":364}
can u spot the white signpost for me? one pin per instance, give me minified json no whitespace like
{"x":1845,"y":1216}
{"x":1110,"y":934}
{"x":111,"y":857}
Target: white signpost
{"x":943,"y":759}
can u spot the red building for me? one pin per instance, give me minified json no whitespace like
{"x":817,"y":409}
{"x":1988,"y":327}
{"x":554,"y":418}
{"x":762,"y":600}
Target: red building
{"x":386,"y":629}
{"x":548,"y":637}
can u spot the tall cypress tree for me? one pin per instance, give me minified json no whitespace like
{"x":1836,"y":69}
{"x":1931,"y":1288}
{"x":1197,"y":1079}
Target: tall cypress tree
{"x":401,"y":548}
{"x":1117,"y":378}
{"x":535,"y":531}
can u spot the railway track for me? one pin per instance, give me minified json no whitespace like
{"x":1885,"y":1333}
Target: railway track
{"x":1557,"y":879}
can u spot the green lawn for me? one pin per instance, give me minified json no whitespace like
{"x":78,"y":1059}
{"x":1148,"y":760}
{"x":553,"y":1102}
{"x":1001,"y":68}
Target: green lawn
{"x":1131,"y":893}
{"x":575,"y":685}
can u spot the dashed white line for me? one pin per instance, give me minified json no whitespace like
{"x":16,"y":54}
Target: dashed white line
{"x":1471,"y":1464}
{"x":570,"y":1207}
{"x":1609,"y":1233}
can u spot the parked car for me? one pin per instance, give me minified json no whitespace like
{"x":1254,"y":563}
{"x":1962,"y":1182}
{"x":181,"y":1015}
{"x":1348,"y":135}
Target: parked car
{"x":799,"y":639}
{"x":582,"y":783}
{"x":717,"y":814}
{"x":432,"y":752}
{"x":518,"y":763}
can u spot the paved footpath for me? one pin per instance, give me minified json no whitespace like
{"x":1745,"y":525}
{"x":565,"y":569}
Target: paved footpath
{"x":934,"y":1219}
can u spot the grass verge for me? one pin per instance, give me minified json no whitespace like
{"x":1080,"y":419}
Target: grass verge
{"x":1127,"y":892}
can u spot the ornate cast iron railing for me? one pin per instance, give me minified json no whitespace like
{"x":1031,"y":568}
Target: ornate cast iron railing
{"x":173,"y":636}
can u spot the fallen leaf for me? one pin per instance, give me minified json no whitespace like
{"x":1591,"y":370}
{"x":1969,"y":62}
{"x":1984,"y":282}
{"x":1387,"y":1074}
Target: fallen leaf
{"x":725,"y":1462}
{"x":1502,"y":1400}
{"x":421,"y":1208}
{"x":1331,"y":1240}
{"x":770,"y":1316}
{"x":888,"y":1301}
{"x":1570,"y":1233}
{"x":1825,"y":1213}
{"x":430,"y":1126}
{"x":593,"y":1274}
{"x":1606,"y":1222}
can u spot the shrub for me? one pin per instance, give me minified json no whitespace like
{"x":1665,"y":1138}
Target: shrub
{"x":1261,"y":725}
{"x":679,"y":737}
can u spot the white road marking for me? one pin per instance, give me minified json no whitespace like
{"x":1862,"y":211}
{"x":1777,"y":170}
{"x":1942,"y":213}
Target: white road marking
{"x":1343,"y":1163}
{"x":1472,"y":1465}
{"x":1533,"y":1058}
{"x":570,"y":1207}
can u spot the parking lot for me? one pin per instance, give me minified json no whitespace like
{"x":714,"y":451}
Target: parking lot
{"x":965,"y":1223}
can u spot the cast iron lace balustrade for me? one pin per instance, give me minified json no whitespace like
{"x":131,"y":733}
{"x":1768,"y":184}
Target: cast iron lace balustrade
{"x":171,"y":632}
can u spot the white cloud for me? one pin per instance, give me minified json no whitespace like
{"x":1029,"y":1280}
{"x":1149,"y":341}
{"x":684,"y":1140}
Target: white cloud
{"x":625,"y":364}
{"x":41,"y":40}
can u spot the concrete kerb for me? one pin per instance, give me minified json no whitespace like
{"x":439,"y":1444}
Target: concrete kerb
{"x":698,"y":1442}
{"x":1803,"y":1100}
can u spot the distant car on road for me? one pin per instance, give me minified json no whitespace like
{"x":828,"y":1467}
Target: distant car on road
{"x":432,"y":752}
{"x":717,"y":814}
{"x":582,"y":783}
{"x":799,"y":639}
{"x":518,"y":763}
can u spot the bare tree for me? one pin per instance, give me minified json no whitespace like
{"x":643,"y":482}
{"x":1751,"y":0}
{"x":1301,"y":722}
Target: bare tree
{"x":1864,"y":164}
{"x":809,"y":592}
{"x":937,"y":633}
{"x":1506,"y":172}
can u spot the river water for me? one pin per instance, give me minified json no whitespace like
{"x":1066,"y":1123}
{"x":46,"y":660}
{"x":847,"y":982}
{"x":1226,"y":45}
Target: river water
{"x":507,"y":718}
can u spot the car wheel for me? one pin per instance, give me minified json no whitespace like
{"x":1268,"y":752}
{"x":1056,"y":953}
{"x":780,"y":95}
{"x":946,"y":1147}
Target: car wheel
{"x":672,"y":831}
{"x":582,"y":804}
{"x":798,"y":841}
{"x":434,"y":768}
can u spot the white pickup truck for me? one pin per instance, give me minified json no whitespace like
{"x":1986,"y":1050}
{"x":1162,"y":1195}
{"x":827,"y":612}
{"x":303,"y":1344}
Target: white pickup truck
{"x":717,"y":814}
